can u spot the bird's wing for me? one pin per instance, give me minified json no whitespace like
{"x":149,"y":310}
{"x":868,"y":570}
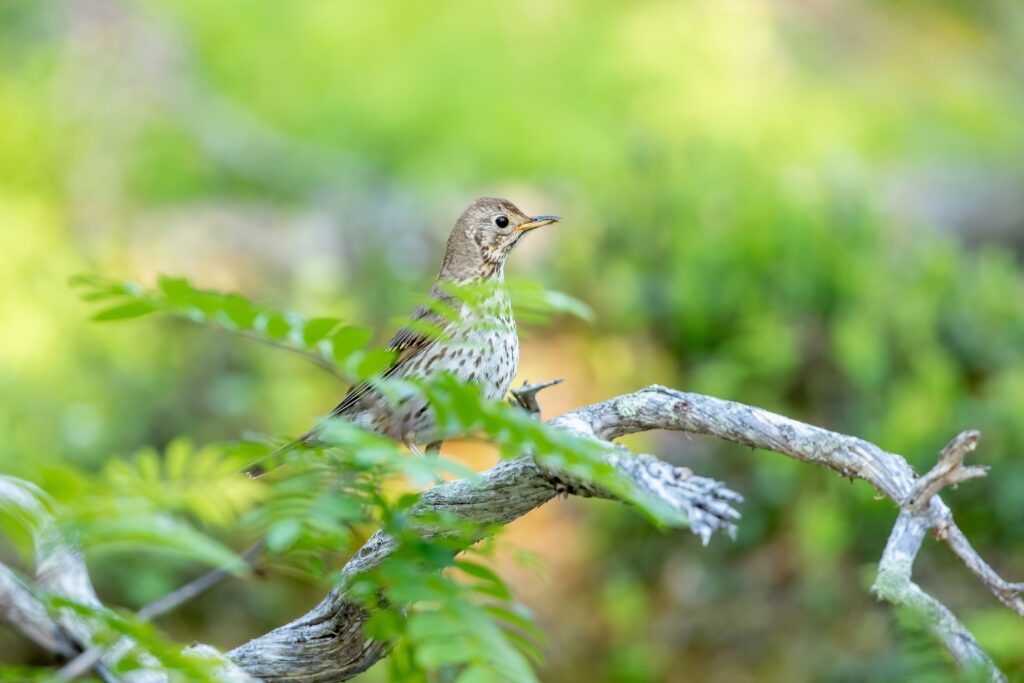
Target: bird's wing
{"x":407,"y":344}
{"x":425,"y":329}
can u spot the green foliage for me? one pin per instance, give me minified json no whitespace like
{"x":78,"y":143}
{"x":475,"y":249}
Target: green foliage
{"x":156,"y":501}
{"x":445,"y":614}
{"x":442,"y":610}
{"x":24,"y":508}
{"x":203,"y":482}
{"x":111,"y":626}
{"x":448,"y":612}
{"x":810,"y":207}
{"x":327,"y":339}
{"x":23,"y":674}
{"x":534,"y":303}
{"x":460,"y":409}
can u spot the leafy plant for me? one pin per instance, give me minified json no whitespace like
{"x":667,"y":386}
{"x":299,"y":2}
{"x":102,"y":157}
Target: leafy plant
{"x":445,"y":609}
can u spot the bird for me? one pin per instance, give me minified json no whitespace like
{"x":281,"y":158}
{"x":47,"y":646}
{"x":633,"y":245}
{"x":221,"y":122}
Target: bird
{"x":478,"y":345}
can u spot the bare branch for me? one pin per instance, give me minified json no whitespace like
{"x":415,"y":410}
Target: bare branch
{"x":526,"y":396}
{"x":328,"y":643}
{"x":1008,"y":593}
{"x":895,"y":585}
{"x":60,"y":568}
{"x":705,"y":503}
{"x":20,"y":608}
{"x":949,"y":471}
{"x":922,"y":510}
{"x":660,"y":408}
{"x":86,"y":661}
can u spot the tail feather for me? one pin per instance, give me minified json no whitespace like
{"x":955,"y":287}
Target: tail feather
{"x":270,"y":460}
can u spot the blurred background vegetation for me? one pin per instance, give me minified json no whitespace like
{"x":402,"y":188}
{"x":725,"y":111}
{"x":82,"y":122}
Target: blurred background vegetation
{"x":814,"y":207}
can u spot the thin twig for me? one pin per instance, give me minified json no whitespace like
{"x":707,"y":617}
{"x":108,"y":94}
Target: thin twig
{"x":191,"y":590}
{"x":948,"y":471}
{"x":88,"y":660}
{"x":315,"y":358}
{"x":1006,"y":592}
{"x":525,"y":396}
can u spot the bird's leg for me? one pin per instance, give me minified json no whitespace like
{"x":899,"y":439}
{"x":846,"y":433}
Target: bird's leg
{"x":432,"y":451}
{"x":409,"y":441}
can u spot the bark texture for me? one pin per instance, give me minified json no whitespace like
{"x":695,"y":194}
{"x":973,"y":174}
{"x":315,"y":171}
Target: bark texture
{"x":328,"y":643}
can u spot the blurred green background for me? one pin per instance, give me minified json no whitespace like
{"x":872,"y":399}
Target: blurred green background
{"x":816,"y":207}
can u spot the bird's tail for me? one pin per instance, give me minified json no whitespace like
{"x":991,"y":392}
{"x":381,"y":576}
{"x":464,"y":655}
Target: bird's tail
{"x":271,"y":460}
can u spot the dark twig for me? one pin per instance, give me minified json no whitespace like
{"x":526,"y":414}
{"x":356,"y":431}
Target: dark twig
{"x":191,"y":590}
{"x":525,"y":396}
{"x":88,"y":660}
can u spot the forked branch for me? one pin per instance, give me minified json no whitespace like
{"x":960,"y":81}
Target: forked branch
{"x":328,"y":643}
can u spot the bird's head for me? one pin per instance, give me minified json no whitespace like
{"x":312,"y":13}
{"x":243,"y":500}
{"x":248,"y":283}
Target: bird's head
{"x":484,"y":236}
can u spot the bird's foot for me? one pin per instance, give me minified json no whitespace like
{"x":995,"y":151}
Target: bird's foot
{"x":408,"y":442}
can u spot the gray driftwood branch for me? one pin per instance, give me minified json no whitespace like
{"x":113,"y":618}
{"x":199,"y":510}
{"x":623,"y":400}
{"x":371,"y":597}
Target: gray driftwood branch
{"x":328,"y":643}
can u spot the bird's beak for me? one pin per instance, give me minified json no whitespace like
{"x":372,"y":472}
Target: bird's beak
{"x":538,"y":222}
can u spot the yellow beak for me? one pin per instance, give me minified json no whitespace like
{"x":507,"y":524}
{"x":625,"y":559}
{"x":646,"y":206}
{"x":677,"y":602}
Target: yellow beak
{"x":538,"y":222}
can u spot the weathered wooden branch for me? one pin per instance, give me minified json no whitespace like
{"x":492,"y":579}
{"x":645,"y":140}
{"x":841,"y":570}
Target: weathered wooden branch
{"x":922,"y":511}
{"x":949,"y":471}
{"x":88,"y":660}
{"x":328,"y":643}
{"x":20,"y":608}
{"x":60,"y":569}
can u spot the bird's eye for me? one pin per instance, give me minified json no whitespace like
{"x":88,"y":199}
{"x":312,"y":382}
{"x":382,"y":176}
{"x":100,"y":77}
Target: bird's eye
{"x":501,"y":221}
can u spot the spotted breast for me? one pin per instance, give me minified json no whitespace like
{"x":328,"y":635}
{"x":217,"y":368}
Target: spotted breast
{"x":481,"y":348}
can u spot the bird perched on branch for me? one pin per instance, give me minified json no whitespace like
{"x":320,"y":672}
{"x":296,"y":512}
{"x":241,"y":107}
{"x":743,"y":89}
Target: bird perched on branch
{"x":476,"y":342}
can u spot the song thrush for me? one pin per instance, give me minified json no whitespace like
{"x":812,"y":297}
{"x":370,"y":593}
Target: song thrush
{"x":478,"y":345}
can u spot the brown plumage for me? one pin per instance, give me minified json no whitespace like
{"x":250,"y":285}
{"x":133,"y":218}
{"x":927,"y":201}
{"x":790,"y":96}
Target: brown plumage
{"x":479,"y":345}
